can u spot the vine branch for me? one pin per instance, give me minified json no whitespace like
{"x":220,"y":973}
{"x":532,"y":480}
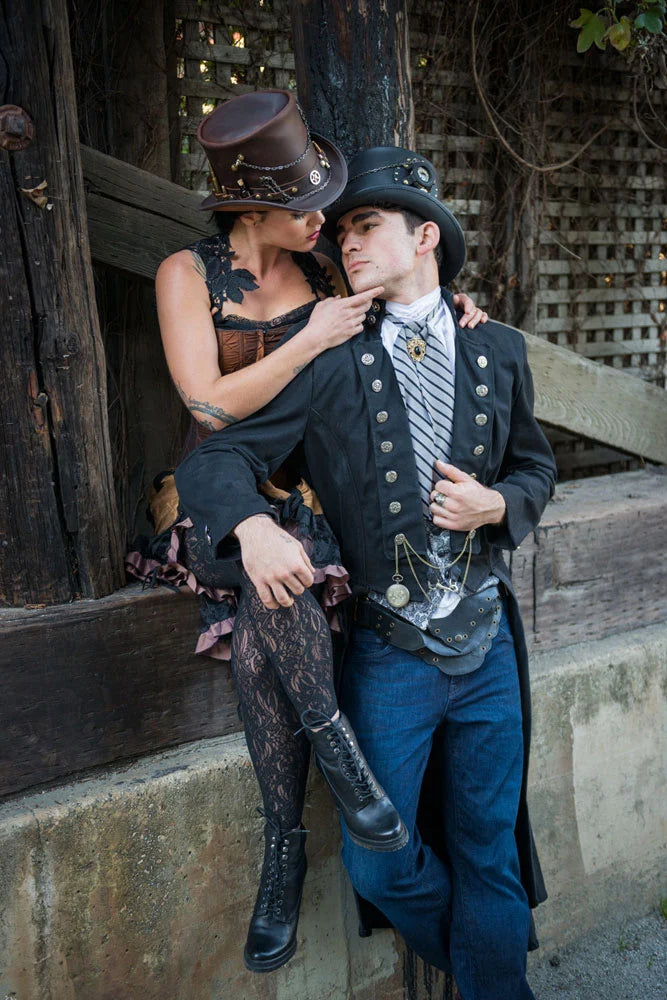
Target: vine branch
{"x":549,"y":168}
{"x":663,"y":149}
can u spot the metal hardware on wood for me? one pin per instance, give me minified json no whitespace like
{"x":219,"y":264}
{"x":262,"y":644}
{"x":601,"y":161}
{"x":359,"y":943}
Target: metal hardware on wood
{"x":16,"y":128}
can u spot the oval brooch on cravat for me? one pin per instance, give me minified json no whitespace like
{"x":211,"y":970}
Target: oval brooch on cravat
{"x":416,"y":348}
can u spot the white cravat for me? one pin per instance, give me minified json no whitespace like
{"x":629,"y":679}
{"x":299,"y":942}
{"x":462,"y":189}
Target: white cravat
{"x":443,"y":324}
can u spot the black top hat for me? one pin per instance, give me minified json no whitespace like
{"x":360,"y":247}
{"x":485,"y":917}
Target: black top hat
{"x":400,"y":177}
{"x":263,"y":155}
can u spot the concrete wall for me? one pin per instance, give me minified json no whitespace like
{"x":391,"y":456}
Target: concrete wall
{"x":138,"y":883}
{"x":598,"y":798}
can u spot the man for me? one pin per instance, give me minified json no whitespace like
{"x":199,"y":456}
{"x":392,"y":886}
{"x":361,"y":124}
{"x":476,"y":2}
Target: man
{"x":420,"y":441}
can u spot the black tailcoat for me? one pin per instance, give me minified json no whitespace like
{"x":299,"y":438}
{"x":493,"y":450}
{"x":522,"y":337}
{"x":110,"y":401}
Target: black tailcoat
{"x":345,"y":414}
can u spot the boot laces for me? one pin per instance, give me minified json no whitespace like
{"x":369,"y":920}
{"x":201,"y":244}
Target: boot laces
{"x":352,"y":764}
{"x":274,"y":871}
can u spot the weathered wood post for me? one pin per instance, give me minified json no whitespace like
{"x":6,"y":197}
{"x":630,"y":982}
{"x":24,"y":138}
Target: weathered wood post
{"x":353,"y":71}
{"x":59,"y":534}
{"x":120,"y":57}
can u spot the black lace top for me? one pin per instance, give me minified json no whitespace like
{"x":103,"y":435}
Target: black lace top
{"x":225,"y":282}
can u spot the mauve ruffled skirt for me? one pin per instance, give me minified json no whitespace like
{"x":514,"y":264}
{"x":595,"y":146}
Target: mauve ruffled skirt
{"x":175,"y":557}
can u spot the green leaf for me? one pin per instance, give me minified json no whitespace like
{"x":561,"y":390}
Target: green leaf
{"x":593,"y":31}
{"x":620,"y":35}
{"x":649,"y":20}
{"x":653,"y":22}
{"x":586,"y":15}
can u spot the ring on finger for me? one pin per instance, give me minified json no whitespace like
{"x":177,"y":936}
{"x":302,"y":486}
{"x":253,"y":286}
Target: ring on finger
{"x":440,"y":499}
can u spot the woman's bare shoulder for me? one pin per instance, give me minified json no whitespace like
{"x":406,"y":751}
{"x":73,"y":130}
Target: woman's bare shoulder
{"x":181,"y":274}
{"x":182,"y":266}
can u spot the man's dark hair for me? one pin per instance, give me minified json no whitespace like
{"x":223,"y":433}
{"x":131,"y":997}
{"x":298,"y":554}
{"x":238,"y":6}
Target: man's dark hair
{"x":412,"y":220}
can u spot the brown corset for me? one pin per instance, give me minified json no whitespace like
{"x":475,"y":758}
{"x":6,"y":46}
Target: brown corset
{"x":241,"y":342}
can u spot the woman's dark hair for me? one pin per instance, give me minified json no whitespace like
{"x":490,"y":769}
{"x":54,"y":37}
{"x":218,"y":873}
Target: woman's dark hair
{"x":225,"y":220}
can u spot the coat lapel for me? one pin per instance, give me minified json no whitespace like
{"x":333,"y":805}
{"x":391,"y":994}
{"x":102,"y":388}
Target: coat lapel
{"x":474,"y":387}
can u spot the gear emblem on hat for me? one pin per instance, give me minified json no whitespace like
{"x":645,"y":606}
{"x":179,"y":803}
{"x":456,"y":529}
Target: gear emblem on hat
{"x":315,"y":177}
{"x":420,"y":175}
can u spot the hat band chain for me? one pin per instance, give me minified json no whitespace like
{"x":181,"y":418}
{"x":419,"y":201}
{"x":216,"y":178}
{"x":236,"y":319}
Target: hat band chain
{"x":269,"y":191}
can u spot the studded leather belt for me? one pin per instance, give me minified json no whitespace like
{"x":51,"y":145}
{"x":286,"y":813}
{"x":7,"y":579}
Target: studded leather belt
{"x":466,"y":634}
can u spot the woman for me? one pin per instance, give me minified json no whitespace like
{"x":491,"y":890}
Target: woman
{"x":225,"y":305}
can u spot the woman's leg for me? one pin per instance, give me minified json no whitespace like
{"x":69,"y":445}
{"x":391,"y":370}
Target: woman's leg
{"x":280,"y":758}
{"x":296,"y":642}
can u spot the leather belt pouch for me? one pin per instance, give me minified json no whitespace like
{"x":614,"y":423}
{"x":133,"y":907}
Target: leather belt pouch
{"x":473,"y":620}
{"x":453,"y":636}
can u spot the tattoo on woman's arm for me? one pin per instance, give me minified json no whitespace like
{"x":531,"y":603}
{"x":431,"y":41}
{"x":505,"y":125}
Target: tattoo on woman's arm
{"x":198,"y":265}
{"x":196,"y":406}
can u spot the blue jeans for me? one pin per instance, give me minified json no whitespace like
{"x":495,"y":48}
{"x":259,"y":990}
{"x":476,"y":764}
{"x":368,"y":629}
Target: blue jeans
{"x":468,"y":914}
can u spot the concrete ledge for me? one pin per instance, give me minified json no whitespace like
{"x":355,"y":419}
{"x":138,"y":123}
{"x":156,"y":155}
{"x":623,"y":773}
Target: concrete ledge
{"x":597,"y":781}
{"x":139,"y":882}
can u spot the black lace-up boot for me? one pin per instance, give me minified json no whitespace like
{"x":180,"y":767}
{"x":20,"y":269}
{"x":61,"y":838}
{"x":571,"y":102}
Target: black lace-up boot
{"x":271,"y":938}
{"x":369,"y":816}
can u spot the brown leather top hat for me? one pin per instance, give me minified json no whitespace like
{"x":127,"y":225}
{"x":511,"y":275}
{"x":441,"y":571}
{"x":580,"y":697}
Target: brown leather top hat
{"x":263,"y":155}
{"x":390,"y":174}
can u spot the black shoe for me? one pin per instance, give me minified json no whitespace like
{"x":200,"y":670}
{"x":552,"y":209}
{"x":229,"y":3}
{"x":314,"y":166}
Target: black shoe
{"x":271,"y":938}
{"x":369,"y":816}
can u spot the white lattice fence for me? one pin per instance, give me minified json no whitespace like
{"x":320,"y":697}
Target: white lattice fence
{"x":602,"y":272}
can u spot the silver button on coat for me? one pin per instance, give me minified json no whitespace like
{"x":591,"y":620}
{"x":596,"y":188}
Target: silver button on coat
{"x":478,"y":450}
{"x":481,"y":361}
{"x":482,"y":390}
{"x":367,"y":359}
{"x":391,"y":476}
{"x":394,"y":507}
{"x":481,"y":419}
{"x":376,"y":385}
{"x":387,"y":446}
{"x":382,"y":416}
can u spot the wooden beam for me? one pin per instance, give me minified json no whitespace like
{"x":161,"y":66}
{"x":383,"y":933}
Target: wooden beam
{"x":585,"y":543}
{"x":136,"y":219}
{"x":91,"y":682}
{"x":599,"y":402}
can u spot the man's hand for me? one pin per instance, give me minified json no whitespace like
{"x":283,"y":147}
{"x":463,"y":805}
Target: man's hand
{"x":466,"y":504}
{"x":276,"y":563}
{"x":472,"y":315}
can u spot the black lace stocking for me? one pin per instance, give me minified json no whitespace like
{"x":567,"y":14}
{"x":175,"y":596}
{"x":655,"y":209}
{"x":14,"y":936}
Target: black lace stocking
{"x":282,"y":665}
